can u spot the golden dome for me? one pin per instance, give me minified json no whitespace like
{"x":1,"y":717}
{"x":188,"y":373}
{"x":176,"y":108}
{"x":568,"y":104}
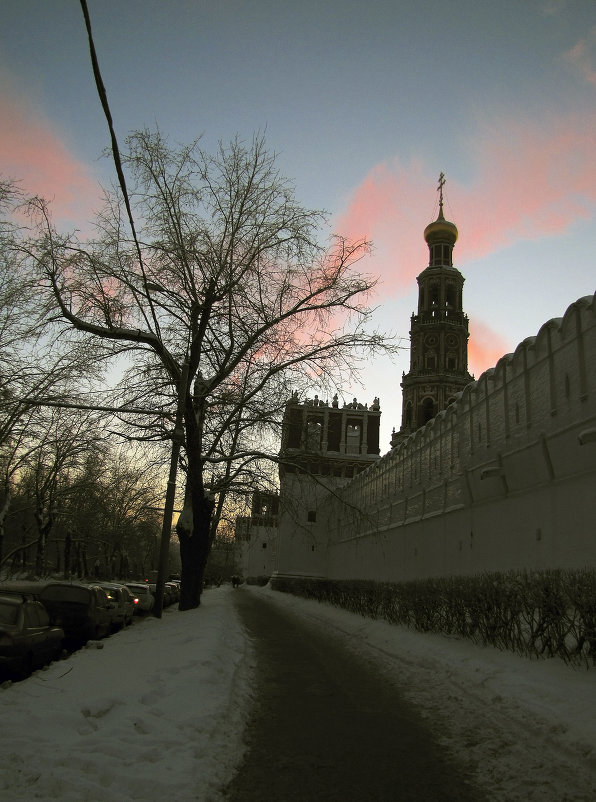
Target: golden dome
{"x":441,"y":230}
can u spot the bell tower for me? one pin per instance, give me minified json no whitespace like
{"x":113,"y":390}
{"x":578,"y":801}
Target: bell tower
{"x":438,"y":333}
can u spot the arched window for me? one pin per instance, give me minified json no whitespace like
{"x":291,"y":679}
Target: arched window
{"x":353,"y":438}
{"x":427,"y":411}
{"x":314,"y":431}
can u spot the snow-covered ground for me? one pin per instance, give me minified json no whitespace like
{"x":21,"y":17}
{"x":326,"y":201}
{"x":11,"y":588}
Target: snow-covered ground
{"x":157,"y":712}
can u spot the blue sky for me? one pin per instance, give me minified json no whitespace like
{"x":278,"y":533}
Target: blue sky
{"x":365,"y":103}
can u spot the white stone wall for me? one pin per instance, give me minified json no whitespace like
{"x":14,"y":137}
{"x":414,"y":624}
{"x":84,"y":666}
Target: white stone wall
{"x":258,"y":554}
{"x":497,"y":481}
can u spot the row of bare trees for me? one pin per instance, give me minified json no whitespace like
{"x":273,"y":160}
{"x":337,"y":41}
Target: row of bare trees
{"x":81,"y":509}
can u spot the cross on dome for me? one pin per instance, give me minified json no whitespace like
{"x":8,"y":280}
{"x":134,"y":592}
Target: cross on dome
{"x":440,"y":189}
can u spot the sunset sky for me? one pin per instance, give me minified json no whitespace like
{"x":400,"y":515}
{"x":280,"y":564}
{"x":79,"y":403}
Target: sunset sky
{"x":366,"y":102}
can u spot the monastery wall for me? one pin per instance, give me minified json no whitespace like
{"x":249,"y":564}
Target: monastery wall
{"x":504,"y":478}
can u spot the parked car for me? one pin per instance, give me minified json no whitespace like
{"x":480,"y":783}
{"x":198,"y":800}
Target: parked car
{"x":121,"y":603}
{"x":168,"y":593}
{"x":142,"y":592}
{"x":27,"y":639}
{"x":174,"y":591}
{"x":81,"y":610}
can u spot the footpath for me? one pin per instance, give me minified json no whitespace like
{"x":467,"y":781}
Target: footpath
{"x":328,"y":725}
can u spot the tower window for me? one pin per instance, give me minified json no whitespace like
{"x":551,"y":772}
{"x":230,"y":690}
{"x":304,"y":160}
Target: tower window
{"x":312,"y":516}
{"x":440,"y":254}
{"x":427,"y":411}
{"x":353,"y":438}
{"x":313,"y":435}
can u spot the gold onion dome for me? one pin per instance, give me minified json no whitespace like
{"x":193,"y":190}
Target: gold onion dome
{"x":441,"y":230}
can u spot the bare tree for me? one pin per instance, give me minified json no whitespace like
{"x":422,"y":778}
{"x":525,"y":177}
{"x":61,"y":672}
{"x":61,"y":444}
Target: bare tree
{"x":110,"y":512}
{"x":65,"y":438}
{"x":225,"y":302}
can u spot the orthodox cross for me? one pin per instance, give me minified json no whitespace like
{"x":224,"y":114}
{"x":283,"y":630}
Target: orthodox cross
{"x":440,"y":189}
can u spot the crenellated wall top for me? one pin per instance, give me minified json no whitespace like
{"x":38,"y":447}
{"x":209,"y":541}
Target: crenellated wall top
{"x":579,"y":318}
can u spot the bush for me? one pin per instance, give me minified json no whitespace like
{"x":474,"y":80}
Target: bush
{"x":534,"y":613}
{"x":261,"y":581}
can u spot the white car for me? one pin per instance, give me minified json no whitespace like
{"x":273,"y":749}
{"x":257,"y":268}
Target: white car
{"x":121,"y":602}
{"x":144,"y":596}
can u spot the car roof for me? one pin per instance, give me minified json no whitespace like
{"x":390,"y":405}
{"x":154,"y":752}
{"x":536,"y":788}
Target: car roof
{"x":23,"y":586}
{"x":13,"y":599}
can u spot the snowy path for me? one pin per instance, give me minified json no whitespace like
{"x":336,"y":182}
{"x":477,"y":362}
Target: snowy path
{"x":329,"y":725}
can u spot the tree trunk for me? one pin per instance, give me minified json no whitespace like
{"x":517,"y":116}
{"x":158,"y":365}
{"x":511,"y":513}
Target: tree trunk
{"x":194,"y":524}
{"x":3,"y":513}
{"x":67,"y":554}
{"x":194,"y":551}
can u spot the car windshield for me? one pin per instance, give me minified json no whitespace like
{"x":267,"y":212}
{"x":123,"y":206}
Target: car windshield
{"x":8,"y":612}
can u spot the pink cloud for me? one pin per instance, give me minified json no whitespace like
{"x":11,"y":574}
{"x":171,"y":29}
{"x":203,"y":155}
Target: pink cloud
{"x":582,"y":58}
{"x":485,"y":348}
{"x":32,"y":153}
{"x":532,"y":180}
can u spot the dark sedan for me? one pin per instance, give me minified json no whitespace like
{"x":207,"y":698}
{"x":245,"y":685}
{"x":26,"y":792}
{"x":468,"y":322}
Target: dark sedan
{"x":27,"y":639}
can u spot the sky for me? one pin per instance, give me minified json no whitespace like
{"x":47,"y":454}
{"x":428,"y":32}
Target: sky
{"x":365,"y":103}
{"x":119,"y":721}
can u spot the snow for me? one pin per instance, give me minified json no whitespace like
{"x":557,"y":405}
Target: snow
{"x":157,"y":712}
